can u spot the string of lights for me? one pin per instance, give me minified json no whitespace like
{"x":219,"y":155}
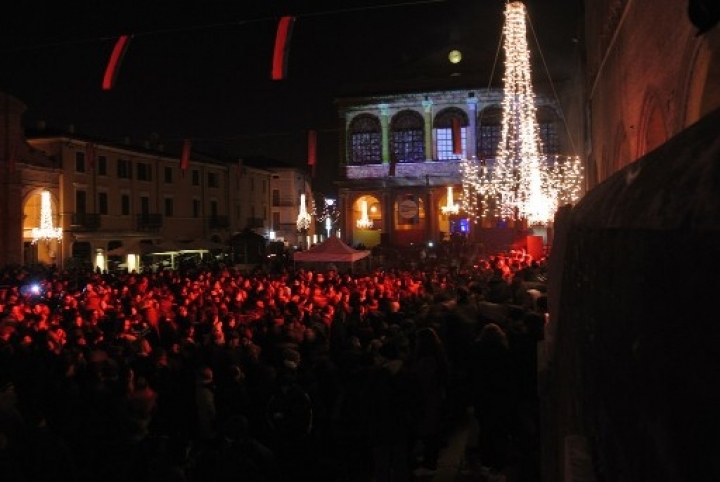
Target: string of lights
{"x":304,"y":219}
{"x":521,"y":182}
{"x":46,"y":232}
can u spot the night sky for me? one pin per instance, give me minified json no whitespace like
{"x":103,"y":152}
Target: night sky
{"x":201,"y":70}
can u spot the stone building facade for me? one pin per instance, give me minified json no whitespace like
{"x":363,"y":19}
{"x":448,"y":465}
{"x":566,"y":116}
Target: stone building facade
{"x":398,"y":161}
{"x":630,"y":342}
{"x":109,"y":194}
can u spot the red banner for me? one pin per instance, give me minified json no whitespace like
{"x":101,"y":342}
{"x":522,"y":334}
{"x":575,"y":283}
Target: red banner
{"x":456,"y":136}
{"x":282,"y":48}
{"x":185,"y":158}
{"x":113,"y":65}
{"x":312,"y":150}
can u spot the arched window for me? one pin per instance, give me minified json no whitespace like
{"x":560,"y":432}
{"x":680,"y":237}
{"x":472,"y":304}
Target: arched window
{"x":407,"y":141}
{"x":444,"y":139}
{"x":548,"y":130}
{"x":489,"y":132}
{"x":365,"y":140}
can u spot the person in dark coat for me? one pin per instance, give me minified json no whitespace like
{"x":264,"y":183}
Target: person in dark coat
{"x":493,"y":398}
{"x":429,"y":365}
{"x":392,"y":410}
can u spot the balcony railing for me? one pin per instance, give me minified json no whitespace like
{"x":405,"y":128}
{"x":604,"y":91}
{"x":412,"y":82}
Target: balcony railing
{"x":149,"y":222}
{"x":84,"y":221}
{"x":218,"y":222}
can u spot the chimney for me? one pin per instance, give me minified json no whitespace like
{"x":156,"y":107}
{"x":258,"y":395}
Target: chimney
{"x":127,"y":140}
{"x":41,"y":125}
{"x":71,"y":128}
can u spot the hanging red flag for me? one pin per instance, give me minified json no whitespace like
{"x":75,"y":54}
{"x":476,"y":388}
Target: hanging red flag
{"x":90,"y":151}
{"x":312,"y":150}
{"x":185,"y":158}
{"x":456,"y":136}
{"x":116,"y":58}
{"x":282,"y":48}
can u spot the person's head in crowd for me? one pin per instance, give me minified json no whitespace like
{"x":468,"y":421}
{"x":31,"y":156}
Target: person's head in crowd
{"x":492,"y":334}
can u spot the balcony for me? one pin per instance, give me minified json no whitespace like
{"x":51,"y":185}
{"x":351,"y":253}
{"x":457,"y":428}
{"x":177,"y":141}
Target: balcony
{"x":84,"y":221}
{"x":217,"y":221}
{"x":405,"y":169}
{"x":149,"y":222}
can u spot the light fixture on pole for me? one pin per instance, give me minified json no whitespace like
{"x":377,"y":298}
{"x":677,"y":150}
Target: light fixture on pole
{"x":364,"y":222}
{"x":304,"y":219}
{"x":450,"y":206}
{"x":46,"y":232}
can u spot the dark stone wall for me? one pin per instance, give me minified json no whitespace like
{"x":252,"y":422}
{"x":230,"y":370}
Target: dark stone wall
{"x":636,"y":304}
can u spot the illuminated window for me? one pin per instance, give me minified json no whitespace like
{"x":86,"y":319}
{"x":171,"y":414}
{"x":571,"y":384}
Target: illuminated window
{"x":365,"y":140}
{"x":490,"y":132}
{"x":444,"y":133}
{"x":408,"y":136}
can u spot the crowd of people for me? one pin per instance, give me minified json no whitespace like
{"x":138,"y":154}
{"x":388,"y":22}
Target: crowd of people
{"x":298,"y":375}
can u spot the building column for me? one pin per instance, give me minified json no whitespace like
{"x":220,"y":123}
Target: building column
{"x":342,"y":144}
{"x":429,"y":152}
{"x":388,"y":215}
{"x":431,"y":215}
{"x":384,"y":112}
{"x":471,"y":134}
{"x":346,"y":215}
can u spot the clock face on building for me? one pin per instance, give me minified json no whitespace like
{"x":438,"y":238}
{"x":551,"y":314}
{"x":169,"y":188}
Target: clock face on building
{"x":408,"y":209}
{"x":455,"y":56}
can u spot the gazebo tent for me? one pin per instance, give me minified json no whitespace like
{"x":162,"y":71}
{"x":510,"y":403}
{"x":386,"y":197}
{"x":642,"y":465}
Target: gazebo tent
{"x":332,"y":250}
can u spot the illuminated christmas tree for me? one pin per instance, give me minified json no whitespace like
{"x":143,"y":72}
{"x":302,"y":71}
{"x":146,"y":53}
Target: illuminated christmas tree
{"x":521,"y":182}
